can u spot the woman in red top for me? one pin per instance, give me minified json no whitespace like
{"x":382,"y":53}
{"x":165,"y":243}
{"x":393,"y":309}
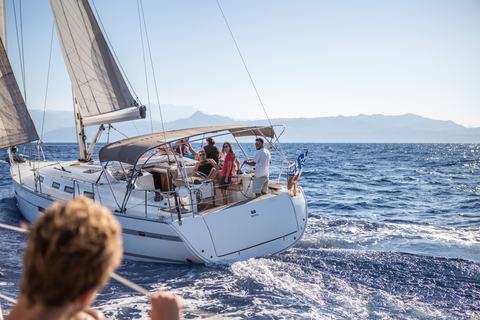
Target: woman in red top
{"x":227,"y":170}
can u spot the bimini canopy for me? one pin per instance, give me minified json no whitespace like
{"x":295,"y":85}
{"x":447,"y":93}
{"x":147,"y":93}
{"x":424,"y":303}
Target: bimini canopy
{"x":131,"y":149}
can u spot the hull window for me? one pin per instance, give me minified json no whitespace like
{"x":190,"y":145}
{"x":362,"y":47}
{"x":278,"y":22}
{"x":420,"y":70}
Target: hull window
{"x":89,"y":194}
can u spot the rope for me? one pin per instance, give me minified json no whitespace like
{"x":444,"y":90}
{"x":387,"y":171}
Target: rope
{"x":6,"y":226}
{"x":8,"y":298}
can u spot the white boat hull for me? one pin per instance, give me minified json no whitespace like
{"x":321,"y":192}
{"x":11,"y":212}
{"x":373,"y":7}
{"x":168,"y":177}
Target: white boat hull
{"x":254,"y":228}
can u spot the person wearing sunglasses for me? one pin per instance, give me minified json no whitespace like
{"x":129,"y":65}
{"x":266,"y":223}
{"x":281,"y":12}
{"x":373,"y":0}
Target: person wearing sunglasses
{"x":182,"y":147}
{"x":261,"y":162}
{"x":207,"y":166}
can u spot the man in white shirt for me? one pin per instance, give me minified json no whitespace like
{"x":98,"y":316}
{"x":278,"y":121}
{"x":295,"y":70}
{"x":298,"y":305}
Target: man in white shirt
{"x":261,"y":161}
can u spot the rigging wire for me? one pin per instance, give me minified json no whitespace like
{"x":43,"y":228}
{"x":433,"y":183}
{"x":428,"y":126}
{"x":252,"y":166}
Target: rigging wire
{"x":48,"y":78}
{"x":153,"y":69}
{"x":244,"y":63}
{"x":144,"y":63}
{"x":248,"y":73}
{"x":114,"y":53}
{"x":21,"y":52}
{"x":112,"y":127}
{"x":22,"y":67}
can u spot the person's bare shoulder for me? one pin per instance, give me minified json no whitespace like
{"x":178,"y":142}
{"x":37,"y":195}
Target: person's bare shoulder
{"x":89,"y":314}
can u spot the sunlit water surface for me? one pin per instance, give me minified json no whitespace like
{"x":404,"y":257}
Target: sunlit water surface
{"x":393,"y":233}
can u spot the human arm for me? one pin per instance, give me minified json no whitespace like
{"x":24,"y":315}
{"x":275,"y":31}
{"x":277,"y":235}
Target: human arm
{"x":229,"y":168}
{"x":250,"y":163}
{"x":191,"y":149}
{"x":176,"y":147}
{"x":165,"y":306}
{"x":254,"y":161}
{"x":213,"y":163}
{"x":162,"y":153}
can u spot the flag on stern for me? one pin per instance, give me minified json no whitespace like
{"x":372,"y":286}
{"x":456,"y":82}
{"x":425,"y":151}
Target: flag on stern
{"x":295,"y":169}
{"x":301,"y":161}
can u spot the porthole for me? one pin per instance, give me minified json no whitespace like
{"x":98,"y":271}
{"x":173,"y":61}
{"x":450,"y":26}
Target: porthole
{"x":89,"y":194}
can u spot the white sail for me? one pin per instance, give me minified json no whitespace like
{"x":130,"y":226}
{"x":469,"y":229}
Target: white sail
{"x":96,"y":79}
{"x":16,"y":125}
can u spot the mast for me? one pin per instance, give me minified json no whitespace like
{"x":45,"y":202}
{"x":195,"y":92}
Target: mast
{"x":80,"y":130}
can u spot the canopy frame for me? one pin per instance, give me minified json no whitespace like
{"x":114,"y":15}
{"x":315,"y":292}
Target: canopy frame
{"x":130,"y":150}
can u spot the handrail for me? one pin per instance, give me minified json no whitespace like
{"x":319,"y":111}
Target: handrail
{"x":170,"y":206}
{"x":281,"y":172}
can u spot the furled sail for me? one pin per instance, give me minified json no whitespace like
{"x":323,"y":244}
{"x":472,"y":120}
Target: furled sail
{"x":96,"y":79}
{"x":16,"y":125}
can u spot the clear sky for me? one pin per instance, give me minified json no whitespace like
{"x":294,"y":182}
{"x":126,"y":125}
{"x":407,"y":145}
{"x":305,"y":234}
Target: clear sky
{"x":307,"y":58}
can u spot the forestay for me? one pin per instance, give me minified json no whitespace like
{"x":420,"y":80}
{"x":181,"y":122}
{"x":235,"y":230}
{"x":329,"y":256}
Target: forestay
{"x":16,"y":125}
{"x":96,"y":79}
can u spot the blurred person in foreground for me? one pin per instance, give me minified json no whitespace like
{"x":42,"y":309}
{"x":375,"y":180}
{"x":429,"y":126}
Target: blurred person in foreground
{"x":71,"y":251}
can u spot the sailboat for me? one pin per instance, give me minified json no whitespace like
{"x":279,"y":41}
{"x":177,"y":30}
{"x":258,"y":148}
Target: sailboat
{"x":168,"y":211}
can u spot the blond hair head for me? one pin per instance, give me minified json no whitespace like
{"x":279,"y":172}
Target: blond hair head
{"x":72,"y":248}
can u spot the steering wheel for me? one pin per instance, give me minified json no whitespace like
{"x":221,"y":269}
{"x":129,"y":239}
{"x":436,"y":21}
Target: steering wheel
{"x":197,"y":173}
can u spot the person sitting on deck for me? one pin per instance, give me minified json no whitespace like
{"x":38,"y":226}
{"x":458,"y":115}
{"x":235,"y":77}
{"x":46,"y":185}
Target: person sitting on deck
{"x":207,"y":166}
{"x":71,"y":252}
{"x":164,"y":150}
{"x":183,"y":147}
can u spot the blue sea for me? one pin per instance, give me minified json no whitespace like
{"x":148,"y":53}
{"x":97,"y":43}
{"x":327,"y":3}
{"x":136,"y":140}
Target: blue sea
{"x":393,"y":233}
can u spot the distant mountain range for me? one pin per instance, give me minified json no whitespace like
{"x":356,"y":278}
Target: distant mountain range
{"x":407,"y":128}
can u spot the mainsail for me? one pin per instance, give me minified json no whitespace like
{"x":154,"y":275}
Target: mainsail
{"x":96,"y":79}
{"x":16,"y":125}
